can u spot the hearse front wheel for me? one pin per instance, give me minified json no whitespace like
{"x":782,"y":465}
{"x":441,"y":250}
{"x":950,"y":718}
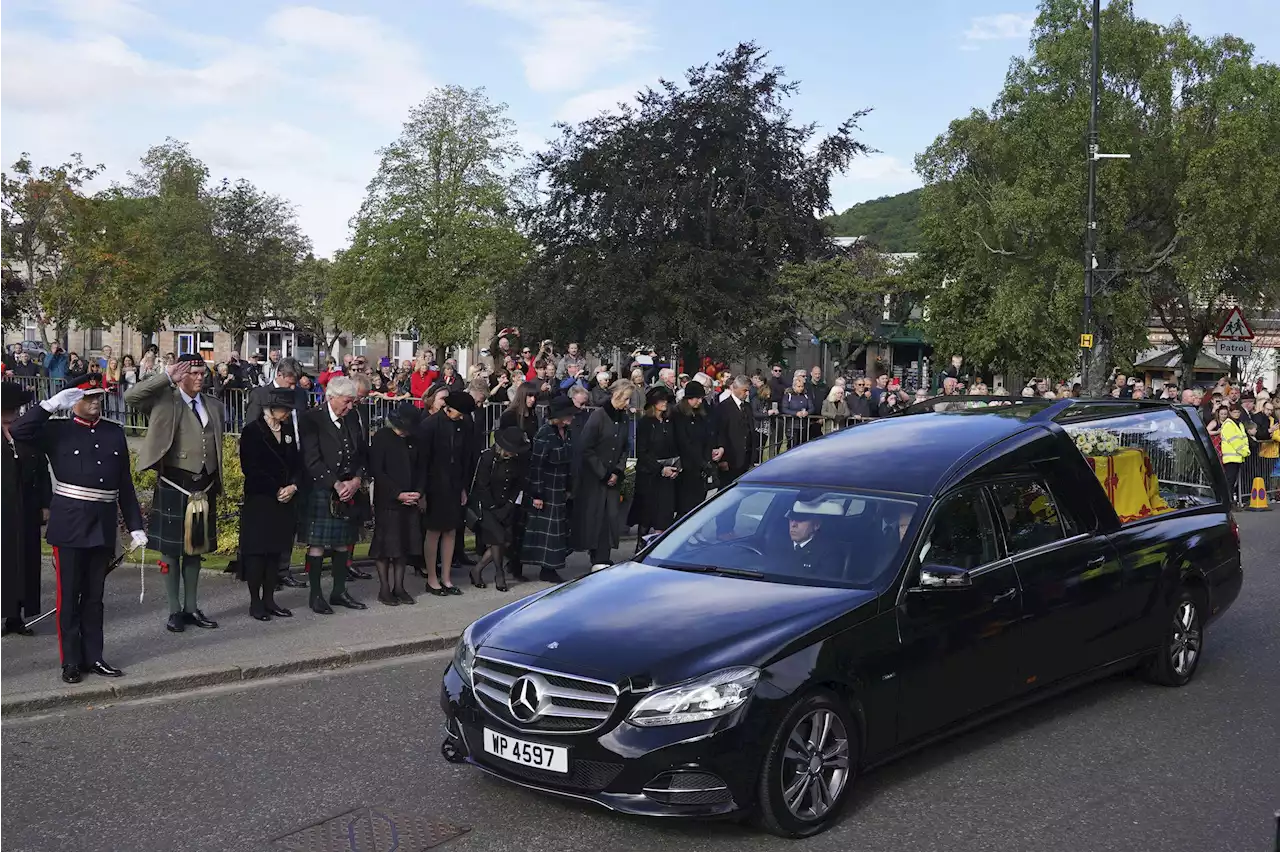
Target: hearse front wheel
{"x":809,"y":768}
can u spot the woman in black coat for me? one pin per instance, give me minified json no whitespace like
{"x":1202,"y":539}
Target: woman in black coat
{"x":273,"y":470}
{"x":500,"y":479}
{"x":657,"y":466}
{"x":599,"y":478}
{"x":445,"y":447}
{"x":694,"y":437}
{"x":521,"y":412}
{"x":397,"y":530}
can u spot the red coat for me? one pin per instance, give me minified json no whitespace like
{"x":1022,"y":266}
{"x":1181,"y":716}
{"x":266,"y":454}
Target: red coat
{"x":420,"y":383}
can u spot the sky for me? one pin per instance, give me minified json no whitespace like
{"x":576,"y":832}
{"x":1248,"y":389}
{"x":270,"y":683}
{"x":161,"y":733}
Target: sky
{"x":298,"y":98}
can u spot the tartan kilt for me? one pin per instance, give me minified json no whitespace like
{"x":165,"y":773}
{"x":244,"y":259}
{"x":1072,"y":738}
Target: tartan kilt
{"x":546,"y":536}
{"x":318,"y":526}
{"x":166,"y":523}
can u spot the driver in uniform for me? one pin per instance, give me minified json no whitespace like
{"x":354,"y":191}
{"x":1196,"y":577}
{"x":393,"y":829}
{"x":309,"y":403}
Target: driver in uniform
{"x":810,"y":554}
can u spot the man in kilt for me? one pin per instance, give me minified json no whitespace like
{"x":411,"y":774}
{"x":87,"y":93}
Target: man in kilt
{"x":183,"y":444}
{"x":335,"y":456}
{"x":546,"y":537}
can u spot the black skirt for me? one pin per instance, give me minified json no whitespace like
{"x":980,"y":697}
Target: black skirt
{"x":397,"y":532}
{"x":267,"y":526}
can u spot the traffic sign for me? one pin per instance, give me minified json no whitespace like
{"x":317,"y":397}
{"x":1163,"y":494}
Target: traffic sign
{"x":1086,"y":341}
{"x":1233,"y":348}
{"x":1234,"y":327}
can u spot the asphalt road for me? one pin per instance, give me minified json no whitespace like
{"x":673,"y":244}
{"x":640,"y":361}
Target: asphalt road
{"x":1119,"y":765}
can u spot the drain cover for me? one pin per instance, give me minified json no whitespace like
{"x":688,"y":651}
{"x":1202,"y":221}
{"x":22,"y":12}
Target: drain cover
{"x":371,"y":830}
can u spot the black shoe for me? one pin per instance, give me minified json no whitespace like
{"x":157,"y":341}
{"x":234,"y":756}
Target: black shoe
{"x":260,"y":614}
{"x":175,"y":624}
{"x":320,"y":606}
{"x":421,"y":572}
{"x":549,"y":575}
{"x":197,"y":618}
{"x":101,"y":668}
{"x":292,"y":582}
{"x":18,"y":626}
{"x":346,"y":600}
{"x":439,"y":592}
{"x":476,"y":577}
{"x":355,"y":573}
{"x":71,"y":674}
{"x":452,"y":590}
{"x":387,"y":599}
{"x":403,"y":596}
{"x":279,"y":612}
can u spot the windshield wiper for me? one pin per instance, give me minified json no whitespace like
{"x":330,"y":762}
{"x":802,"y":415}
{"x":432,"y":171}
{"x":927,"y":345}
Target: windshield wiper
{"x":712,"y":569}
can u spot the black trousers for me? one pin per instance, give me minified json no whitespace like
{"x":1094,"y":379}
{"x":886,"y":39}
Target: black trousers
{"x":81,"y":574}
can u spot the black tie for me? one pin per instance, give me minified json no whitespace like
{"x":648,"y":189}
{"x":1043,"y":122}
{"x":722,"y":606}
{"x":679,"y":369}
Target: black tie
{"x":195,"y":410}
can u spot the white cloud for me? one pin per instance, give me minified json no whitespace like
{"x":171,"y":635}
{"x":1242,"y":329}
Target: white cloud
{"x":571,"y":39}
{"x":592,"y":103}
{"x":1007,"y":25}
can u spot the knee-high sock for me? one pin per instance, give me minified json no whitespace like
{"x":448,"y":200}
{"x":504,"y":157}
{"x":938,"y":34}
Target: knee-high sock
{"x":173,"y":582}
{"x":190,"y":582}
{"x":314,"y":564}
{"x":339,"y":564}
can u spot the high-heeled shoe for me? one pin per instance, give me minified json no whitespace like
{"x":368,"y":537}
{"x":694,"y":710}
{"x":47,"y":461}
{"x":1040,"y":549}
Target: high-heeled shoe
{"x":477,"y":578}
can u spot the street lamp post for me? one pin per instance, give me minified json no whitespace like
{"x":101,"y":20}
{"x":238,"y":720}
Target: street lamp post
{"x":1091,"y":223}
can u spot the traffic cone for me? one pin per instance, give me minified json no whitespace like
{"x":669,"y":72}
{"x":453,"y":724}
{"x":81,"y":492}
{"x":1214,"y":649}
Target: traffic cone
{"x":1258,"y":498}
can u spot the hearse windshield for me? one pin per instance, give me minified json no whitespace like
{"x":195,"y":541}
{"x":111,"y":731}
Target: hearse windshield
{"x":794,"y":535}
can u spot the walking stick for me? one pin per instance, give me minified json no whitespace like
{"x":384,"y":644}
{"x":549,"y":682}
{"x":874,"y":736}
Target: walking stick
{"x":111,"y":566}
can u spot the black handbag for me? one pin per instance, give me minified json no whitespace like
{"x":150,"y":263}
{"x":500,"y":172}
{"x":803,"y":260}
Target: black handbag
{"x":473,"y":512}
{"x":672,"y":462}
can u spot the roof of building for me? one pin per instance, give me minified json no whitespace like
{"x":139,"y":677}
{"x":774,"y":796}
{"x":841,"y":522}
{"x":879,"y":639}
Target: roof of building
{"x":1170,"y":358}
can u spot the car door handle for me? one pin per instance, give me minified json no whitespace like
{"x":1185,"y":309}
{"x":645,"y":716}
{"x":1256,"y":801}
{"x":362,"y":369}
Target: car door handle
{"x":1006,"y":595}
{"x":1096,"y":562}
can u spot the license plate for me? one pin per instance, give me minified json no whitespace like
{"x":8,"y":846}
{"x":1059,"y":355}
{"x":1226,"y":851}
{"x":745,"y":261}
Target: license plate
{"x":546,"y":757}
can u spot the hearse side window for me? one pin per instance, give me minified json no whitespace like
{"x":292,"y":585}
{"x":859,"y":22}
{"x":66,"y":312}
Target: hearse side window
{"x":1030,"y":515}
{"x":960,"y":534}
{"x":1147,"y":463}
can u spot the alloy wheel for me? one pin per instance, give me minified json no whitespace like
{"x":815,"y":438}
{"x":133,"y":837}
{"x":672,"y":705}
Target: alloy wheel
{"x":1185,"y":647}
{"x":815,"y":765}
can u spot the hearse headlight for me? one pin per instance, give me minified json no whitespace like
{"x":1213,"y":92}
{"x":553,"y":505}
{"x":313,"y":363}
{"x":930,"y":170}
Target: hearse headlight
{"x":706,"y":697}
{"x":464,"y":656}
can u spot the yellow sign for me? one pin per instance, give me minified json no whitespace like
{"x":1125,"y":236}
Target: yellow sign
{"x":1086,"y":341}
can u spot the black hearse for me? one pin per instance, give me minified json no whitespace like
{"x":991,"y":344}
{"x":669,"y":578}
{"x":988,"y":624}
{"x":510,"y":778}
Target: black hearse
{"x":855,"y":598}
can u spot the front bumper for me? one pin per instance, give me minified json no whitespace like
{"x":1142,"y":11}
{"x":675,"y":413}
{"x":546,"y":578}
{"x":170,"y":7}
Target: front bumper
{"x":706,"y":769}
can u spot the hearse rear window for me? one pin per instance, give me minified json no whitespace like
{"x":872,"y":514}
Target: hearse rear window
{"x":1148,"y":463}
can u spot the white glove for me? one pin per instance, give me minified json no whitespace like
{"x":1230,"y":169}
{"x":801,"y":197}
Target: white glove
{"x":139,"y":539}
{"x":63,"y":400}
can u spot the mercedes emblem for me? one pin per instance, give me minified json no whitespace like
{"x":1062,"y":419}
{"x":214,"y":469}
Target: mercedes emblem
{"x":526,"y":698}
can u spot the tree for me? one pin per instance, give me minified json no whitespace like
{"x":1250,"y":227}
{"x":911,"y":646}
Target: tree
{"x":257,"y":247}
{"x":437,"y":231}
{"x":1004,"y":197}
{"x":893,"y":221}
{"x":669,"y":221}
{"x":305,"y":299}
{"x":49,"y":237}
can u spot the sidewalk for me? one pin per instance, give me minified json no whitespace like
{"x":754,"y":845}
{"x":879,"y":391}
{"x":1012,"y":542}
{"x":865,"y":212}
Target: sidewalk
{"x":156,"y":661}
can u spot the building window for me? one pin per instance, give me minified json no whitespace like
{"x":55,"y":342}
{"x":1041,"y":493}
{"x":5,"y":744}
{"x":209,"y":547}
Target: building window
{"x":95,"y":338}
{"x":204,"y":342}
{"x":31,"y":331}
{"x":360,"y":346}
{"x":186,"y":343}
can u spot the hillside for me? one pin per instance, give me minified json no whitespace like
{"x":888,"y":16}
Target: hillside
{"x":892,"y":221}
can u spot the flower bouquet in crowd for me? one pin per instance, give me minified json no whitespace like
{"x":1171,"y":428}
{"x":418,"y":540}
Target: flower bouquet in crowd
{"x":1097,"y":442}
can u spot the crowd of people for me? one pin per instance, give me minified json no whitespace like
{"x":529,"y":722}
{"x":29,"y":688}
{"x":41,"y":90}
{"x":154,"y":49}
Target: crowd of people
{"x":530,"y":454}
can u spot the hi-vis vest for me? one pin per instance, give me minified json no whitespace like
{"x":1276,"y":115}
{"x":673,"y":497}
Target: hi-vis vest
{"x":1235,"y":442}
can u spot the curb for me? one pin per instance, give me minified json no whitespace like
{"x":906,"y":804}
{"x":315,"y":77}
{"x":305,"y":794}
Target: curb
{"x":172,"y":683}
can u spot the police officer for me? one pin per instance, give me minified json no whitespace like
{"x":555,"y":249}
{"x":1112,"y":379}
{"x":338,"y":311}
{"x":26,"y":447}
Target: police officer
{"x":90,"y":461}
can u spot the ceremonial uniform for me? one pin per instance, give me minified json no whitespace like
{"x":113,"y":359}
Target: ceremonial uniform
{"x":26,"y":495}
{"x":183,"y":445}
{"x":90,"y":461}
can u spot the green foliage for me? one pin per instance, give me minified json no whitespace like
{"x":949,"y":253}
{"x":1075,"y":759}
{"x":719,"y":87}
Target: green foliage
{"x":231,"y":498}
{"x":668,"y":222}
{"x":891,"y":222}
{"x":144,"y":481}
{"x":436,"y":233}
{"x":1189,"y":222}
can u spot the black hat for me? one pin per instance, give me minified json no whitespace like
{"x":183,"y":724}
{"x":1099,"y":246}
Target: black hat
{"x":189,"y":356}
{"x":560,"y":408}
{"x":13,"y":396}
{"x":694,"y":390}
{"x":90,"y":383}
{"x":281,"y":398}
{"x":512,"y":440}
{"x":658,"y":393}
{"x":435,"y":388}
{"x":405,"y":416}
{"x":461,"y":401}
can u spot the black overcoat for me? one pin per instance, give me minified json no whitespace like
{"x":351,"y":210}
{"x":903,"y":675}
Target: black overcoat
{"x":268,"y":526}
{"x":444,"y":468}
{"x":603,"y":440}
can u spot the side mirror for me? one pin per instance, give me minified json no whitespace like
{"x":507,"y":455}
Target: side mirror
{"x":649,"y":539}
{"x":944,"y":577}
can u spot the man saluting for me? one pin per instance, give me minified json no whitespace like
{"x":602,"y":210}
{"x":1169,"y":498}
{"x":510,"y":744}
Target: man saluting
{"x":90,"y":461}
{"x":184,"y":445}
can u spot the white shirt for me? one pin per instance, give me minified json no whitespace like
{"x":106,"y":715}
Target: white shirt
{"x":337,"y":421}
{"x":801,"y":545}
{"x":200,"y":409}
